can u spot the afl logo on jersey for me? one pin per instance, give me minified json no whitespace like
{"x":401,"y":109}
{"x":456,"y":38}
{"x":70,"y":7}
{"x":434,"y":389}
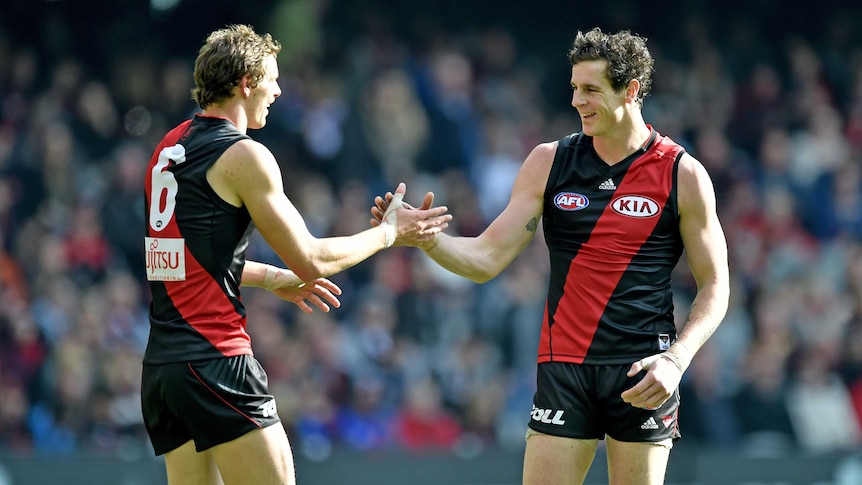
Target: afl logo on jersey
{"x":635,"y":206}
{"x":570,"y":201}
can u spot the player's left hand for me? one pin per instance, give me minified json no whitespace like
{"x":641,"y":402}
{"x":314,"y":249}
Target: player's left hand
{"x":317,"y":293}
{"x":658,"y":385}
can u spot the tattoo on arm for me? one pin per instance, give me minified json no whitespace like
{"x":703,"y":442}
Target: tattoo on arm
{"x":532,"y":225}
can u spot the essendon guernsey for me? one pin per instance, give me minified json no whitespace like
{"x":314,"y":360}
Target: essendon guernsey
{"x":613,"y":237}
{"x":195,"y":248}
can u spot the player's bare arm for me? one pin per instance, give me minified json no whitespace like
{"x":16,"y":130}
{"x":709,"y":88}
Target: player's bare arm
{"x":284,"y":283}
{"x":482,"y":258}
{"x":706,"y":252}
{"x":247,"y":174}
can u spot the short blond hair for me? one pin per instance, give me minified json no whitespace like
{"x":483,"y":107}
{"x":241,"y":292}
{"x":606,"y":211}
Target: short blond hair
{"x":227,"y":55}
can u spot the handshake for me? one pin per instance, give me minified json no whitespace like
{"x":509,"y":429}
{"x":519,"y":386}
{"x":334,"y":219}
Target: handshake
{"x":406,"y":225}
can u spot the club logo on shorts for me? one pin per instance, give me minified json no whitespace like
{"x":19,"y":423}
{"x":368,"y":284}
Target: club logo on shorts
{"x":668,"y":420}
{"x":570,"y":201}
{"x":544,"y":416}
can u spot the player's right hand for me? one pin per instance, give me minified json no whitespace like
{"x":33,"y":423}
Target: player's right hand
{"x":413,"y":226}
{"x":381,"y":203}
{"x":658,"y":384}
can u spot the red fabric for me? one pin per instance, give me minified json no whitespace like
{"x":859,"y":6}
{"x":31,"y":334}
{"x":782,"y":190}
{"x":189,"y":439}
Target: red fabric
{"x":439,"y":431}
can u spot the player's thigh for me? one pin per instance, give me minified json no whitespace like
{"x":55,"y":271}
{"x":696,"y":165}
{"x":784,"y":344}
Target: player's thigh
{"x":637,"y":463}
{"x":260,"y":456}
{"x":555,"y":460}
{"x":185,"y":466}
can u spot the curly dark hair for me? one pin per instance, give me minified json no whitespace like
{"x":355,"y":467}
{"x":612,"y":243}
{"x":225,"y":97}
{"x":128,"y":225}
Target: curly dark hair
{"x":227,"y":55}
{"x":626,"y":53}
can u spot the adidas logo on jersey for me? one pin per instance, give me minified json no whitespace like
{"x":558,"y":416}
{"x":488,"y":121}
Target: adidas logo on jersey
{"x":650,"y":424}
{"x":607,"y":185}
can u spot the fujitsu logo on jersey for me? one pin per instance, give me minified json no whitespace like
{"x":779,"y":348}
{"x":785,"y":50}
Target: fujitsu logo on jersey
{"x":165,"y":259}
{"x":570,"y":201}
{"x":635,"y":206}
{"x":162,"y":260}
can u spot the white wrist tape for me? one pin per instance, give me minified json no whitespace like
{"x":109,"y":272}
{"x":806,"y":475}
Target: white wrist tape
{"x":276,"y":278}
{"x":674,"y":360}
{"x":390,"y":219}
{"x":679,"y":355}
{"x":269,"y":277}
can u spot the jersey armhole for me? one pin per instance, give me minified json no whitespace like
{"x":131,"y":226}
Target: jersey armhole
{"x":566,"y":143}
{"x":673,"y":188}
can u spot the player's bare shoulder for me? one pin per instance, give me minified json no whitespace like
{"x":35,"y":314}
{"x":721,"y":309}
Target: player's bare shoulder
{"x":543,"y":153}
{"x":246,"y":152}
{"x":694,"y":188}
{"x":537,"y":165}
{"x":245,"y":166}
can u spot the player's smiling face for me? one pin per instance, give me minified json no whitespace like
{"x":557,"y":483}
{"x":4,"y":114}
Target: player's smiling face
{"x":600,"y":107}
{"x":264,"y":94}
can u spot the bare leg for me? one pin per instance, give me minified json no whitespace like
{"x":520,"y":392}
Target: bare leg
{"x":637,"y":463}
{"x":552,"y":460}
{"x":186,"y":466}
{"x":262,"y":456}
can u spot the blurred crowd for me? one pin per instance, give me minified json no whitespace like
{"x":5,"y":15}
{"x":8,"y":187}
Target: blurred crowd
{"x":418,"y":358}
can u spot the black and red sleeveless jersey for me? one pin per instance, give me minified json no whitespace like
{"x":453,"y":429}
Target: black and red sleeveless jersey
{"x":195,"y":246}
{"x":613,"y":238}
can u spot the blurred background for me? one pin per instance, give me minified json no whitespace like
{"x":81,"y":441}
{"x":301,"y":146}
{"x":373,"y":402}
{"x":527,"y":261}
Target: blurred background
{"x":422,"y":376}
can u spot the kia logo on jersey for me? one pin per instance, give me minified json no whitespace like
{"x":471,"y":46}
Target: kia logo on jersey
{"x":570,"y":201}
{"x":635,"y":206}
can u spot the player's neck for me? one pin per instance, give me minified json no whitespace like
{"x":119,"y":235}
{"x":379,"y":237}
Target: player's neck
{"x":627,"y":137}
{"x":229,"y":111}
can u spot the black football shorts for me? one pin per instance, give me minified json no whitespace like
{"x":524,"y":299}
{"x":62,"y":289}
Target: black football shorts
{"x":209,"y":401}
{"x":583,"y":401}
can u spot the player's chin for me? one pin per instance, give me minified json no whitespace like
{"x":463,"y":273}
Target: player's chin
{"x":257,"y":124}
{"x":589,"y":125}
{"x":588,"y":130}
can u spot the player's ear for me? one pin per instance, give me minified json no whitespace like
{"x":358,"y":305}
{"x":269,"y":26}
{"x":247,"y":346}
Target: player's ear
{"x":632,"y":90}
{"x":245,"y":85}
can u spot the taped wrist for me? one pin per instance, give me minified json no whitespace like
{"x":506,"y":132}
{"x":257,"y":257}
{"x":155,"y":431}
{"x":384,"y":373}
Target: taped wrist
{"x":389,"y":222}
{"x":276,"y":278}
{"x":389,"y":235}
{"x":679,"y":355}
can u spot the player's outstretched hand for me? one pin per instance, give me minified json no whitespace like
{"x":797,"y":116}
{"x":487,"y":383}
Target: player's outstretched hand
{"x":412,"y":226}
{"x":381,"y":203}
{"x":321,"y":293}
